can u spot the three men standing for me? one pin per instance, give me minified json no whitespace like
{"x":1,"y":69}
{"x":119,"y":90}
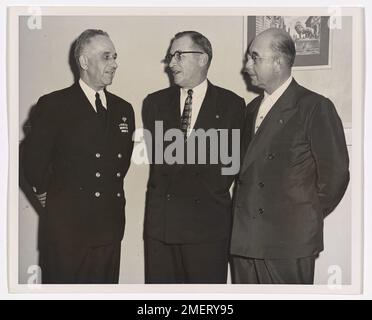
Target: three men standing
{"x":77,"y":155}
{"x":294,"y":170}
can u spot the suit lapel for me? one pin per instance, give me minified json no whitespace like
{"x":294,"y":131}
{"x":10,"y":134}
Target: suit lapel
{"x":273,"y":123}
{"x":248,"y":132}
{"x":173,"y":114}
{"x":85,"y":107}
{"x":208,"y":110}
{"x":82,"y":101}
{"x":111,"y":115}
{"x":169,"y":110}
{"x":170,"y":114}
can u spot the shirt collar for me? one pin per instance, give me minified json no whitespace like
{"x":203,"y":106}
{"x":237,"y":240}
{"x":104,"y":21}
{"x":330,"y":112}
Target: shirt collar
{"x":279,"y":91}
{"x":91,"y":94}
{"x":199,"y":90}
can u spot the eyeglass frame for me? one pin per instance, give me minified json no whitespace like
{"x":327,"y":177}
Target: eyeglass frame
{"x":177,"y":55}
{"x":254,"y":57}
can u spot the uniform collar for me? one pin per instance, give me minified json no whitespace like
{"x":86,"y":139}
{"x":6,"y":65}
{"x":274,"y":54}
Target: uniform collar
{"x":91,"y":94}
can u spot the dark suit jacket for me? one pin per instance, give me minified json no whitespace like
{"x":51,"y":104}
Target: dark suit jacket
{"x":293,"y":173}
{"x":190,"y":203}
{"x":81,"y":166}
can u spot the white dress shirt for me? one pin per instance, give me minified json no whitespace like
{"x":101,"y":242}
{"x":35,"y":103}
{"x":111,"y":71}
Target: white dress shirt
{"x":91,"y":95}
{"x":268,"y":101}
{"x":197,"y":99}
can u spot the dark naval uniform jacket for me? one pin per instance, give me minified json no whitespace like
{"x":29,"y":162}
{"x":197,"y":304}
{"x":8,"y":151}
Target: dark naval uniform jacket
{"x":190,"y":203}
{"x":81,"y":165}
{"x":293,"y":173}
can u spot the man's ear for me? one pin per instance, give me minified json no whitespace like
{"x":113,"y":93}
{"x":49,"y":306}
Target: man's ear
{"x":83,"y":61}
{"x":278,"y":63}
{"x":203,"y":60}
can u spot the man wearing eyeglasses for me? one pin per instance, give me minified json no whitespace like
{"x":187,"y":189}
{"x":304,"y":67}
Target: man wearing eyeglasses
{"x":294,"y":171}
{"x":76,"y":157}
{"x":188,"y":210}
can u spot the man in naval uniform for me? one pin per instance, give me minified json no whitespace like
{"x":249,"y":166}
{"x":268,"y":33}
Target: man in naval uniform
{"x":76,"y":157}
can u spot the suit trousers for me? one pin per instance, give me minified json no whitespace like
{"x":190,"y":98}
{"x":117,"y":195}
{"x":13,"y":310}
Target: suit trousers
{"x":273,"y":271}
{"x":186,"y":263}
{"x":74,"y":265}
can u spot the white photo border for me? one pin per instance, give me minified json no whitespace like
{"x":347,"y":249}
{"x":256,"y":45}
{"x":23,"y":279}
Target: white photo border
{"x":357,"y":164}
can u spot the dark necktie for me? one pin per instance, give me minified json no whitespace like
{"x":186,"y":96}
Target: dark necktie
{"x":186,"y":114}
{"x":101,"y":111}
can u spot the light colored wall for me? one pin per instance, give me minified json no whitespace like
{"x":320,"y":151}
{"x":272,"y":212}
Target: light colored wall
{"x":141,"y":43}
{"x":334,"y":83}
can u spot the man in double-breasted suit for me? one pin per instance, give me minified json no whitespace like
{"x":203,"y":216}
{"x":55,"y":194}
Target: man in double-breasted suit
{"x":76,"y":157}
{"x":294,"y":171}
{"x":188,"y":209}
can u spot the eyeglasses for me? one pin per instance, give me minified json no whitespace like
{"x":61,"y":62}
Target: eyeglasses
{"x":178,"y":55}
{"x":255,"y":58}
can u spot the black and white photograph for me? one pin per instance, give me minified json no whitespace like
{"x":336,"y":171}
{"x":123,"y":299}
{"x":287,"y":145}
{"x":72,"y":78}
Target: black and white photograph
{"x":160,"y":151}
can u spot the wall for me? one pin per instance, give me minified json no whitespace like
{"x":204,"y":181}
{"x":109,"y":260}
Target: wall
{"x":141,"y":43}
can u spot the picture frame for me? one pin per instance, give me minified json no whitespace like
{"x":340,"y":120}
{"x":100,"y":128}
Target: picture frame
{"x":311,"y":35}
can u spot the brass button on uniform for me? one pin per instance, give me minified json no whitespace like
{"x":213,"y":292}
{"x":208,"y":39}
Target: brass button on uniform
{"x":120,"y":155}
{"x":98,"y":174}
{"x":97,"y":194}
{"x":118,"y":194}
{"x":271,"y":156}
{"x":168,"y":196}
{"x":98,"y":155}
{"x":118,"y":174}
{"x":261,"y":211}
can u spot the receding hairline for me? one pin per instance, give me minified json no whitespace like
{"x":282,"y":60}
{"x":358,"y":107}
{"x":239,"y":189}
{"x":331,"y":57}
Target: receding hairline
{"x":277,"y":41}
{"x":85,"y":39}
{"x":194,"y":44}
{"x":198,"y":41}
{"x":268,"y":35}
{"x":273,"y":32}
{"x":97,"y":36}
{"x":92,"y":39}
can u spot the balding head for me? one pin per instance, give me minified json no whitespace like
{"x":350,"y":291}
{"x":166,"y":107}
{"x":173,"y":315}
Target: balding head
{"x":280,"y":43}
{"x":270,"y":59}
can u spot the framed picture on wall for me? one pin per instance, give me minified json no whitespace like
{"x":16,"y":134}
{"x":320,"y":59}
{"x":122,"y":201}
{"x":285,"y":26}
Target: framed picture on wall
{"x":311,"y":35}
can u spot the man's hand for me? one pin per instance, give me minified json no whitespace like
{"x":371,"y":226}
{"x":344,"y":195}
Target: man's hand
{"x":42,"y":198}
